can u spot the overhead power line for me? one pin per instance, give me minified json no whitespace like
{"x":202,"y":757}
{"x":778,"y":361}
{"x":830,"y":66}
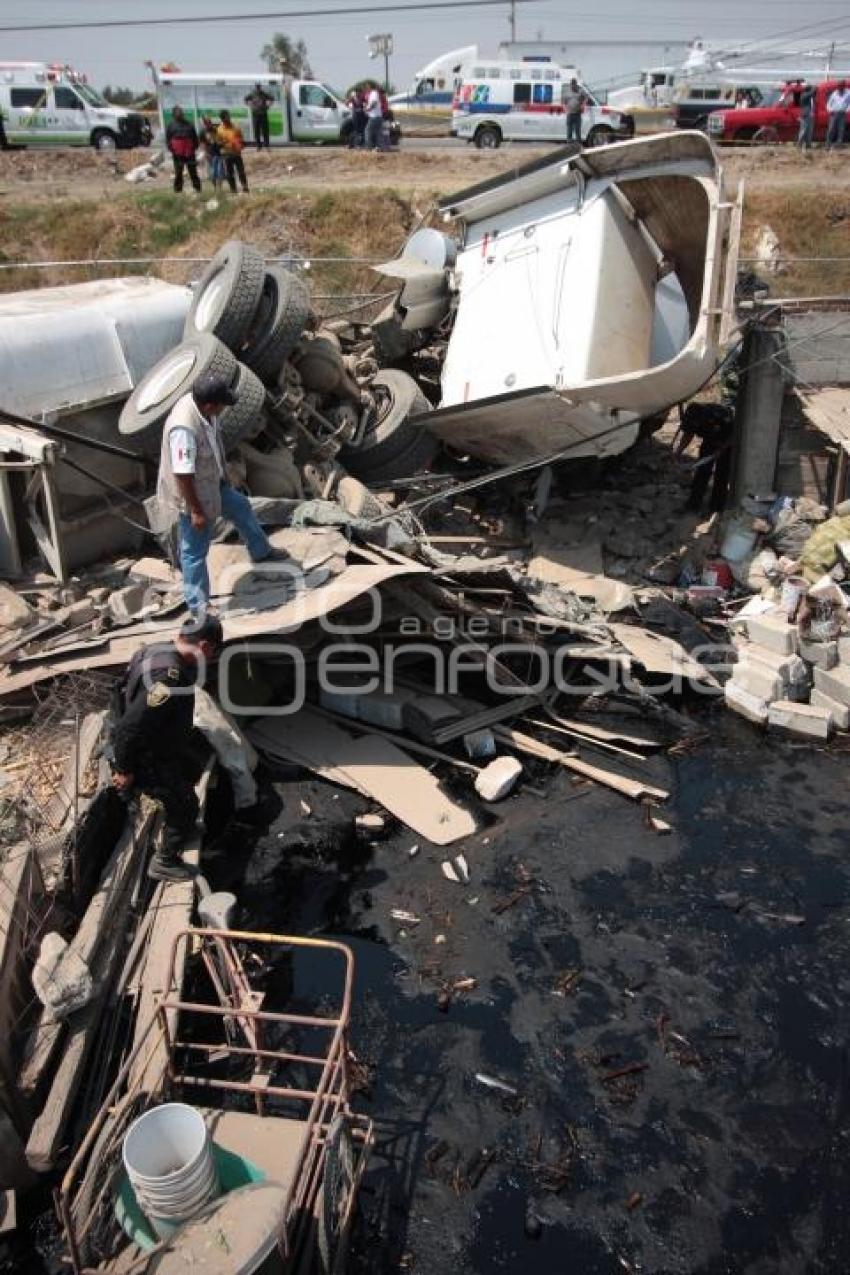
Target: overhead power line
{"x":273,"y":14}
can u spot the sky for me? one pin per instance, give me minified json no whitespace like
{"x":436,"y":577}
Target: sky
{"x":338,"y":46}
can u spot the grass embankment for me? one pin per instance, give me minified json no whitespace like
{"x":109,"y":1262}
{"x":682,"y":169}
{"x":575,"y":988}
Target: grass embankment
{"x":161,"y":224}
{"x":347,"y":220}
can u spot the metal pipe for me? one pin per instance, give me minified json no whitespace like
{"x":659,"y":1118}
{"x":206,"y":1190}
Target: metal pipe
{"x":66,"y":436}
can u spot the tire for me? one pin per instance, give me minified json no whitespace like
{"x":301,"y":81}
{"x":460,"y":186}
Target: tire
{"x":337,"y":1185}
{"x":599,"y":135}
{"x":280,"y":321}
{"x":228,"y":295}
{"x":246,"y":418}
{"x":104,"y":141}
{"x":744,"y":135}
{"x":395,"y":446}
{"x":166,"y":382}
{"x":488,"y":137}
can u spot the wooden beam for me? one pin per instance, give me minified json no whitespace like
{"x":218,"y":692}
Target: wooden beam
{"x":633,"y":788}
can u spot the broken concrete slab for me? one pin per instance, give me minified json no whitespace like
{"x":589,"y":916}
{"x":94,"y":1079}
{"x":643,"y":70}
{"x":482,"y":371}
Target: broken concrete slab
{"x":743,"y":702}
{"x":791,"y":668}
{"x":834,"y":682}
{"x":759,"y":680}
{"x":61,"y":979}
{"x":840,"y":713}
{"x":15,"y":611}
{"x":800,"y":719}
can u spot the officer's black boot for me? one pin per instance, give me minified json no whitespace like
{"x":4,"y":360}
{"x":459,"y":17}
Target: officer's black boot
{"x":166,"y":863}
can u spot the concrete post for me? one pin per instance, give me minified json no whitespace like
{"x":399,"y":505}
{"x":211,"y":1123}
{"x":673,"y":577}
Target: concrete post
{"x":758,"y":412}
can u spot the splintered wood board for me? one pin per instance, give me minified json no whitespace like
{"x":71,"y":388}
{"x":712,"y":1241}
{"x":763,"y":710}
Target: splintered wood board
{"x":374,"y":766}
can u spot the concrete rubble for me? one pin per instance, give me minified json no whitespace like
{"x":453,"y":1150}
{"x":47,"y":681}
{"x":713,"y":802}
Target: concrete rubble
{"x":597,"y":573}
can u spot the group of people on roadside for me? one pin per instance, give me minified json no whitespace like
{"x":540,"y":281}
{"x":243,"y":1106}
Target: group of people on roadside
{"x":370,"y":117}
{"x":837,"y":108}
{"x":220,"y":144}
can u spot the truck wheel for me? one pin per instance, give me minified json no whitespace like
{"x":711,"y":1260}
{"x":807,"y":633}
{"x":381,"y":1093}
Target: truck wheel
{"x":488,"y":137}
{"x":228,"y":294}
{"x":280,"y":320}
{"x":335,"y":1203}
{"x":395,"y":445}
{"x":103,"y":140}
{"x":245,"y":419}
{"x":171,"y":378}
{"x":599,"y":135}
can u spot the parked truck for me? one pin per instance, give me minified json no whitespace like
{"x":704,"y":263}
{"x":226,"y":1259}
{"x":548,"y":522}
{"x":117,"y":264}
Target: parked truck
{"x":300,"y":110}
{"x":776,"y":122}
{"x":50,"y":104}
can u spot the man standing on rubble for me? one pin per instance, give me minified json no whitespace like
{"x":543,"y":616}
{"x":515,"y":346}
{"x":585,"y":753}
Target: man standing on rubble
{"x":152,"y":742}
{"x":193,"y":490}
{"x":713,"y":424}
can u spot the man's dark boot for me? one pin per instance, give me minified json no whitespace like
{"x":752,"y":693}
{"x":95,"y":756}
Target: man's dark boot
{"x":166,"y":863}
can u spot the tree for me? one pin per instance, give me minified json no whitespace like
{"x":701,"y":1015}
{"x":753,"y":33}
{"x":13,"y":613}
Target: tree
{"x":283,"y":53}
{"x":120,"y":96}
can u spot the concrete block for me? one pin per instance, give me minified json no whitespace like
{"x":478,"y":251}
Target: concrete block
{"x":741,"y":701}
{"x":789,"y":667}
{"x":800,"y":719}
{"x":773,"y":631}
{"x":823,"y":654}
{"x":759,"y":680}
{"x":844,"y":649}
{"x":379,"y":708}
{"x":496,"y":780}
{"x":839,"y":713}
{"x":834,"y":682}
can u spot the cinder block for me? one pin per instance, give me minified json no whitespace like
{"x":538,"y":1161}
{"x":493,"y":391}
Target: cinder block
{"x":800,"y":719}
{"x":773,"y":631}
{"x":823,"y":654}
{"x":839,"y":713}
{"x":759,"y":680}
{"x":844,"y":649}
{"x":741,"y":701}
{"x":834,"y":682}
{"x":789,"y":667}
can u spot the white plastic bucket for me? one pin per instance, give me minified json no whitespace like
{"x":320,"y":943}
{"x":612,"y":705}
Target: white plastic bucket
{"x":169,"y":1160}
{"x":737,"y":542}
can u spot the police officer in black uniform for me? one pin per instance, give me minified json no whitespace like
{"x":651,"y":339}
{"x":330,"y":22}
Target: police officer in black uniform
{"x":152,"y":742}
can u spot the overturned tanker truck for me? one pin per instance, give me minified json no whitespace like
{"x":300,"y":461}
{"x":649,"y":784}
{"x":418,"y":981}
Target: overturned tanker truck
{"x":574,"y":301}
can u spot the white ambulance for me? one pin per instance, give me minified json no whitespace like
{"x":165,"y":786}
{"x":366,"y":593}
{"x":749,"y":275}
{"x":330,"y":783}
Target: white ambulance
{"x":50,"y":104}
{"x":497,"y":102}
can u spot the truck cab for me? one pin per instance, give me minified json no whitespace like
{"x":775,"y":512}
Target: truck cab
{"x":48,"y":104}
{"x":301,"y":111}
{"x":773,"y":122}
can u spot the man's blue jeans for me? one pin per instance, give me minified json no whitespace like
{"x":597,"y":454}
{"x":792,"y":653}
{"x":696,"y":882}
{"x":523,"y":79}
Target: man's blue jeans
{"x":195,"y":545}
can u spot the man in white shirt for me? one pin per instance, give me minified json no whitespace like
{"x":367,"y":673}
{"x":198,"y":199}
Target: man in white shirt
{"x":837,"y":106}
{"x":193,"y":488}
{"x":374,"y":118}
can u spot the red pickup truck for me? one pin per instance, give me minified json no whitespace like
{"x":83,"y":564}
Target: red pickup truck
{"x":777,"y":123}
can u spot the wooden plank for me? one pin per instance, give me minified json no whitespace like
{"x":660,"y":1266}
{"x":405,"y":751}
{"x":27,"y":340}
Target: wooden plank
{"x":21,"y":902}
{"x":404,"y":741}
{"x":375,"y":766}
{"x":43,"y":1042}
{"x":171,"y":907}
{"x":60,"y":802}
{"x":510,"y":706}
{"x":633,"y":788}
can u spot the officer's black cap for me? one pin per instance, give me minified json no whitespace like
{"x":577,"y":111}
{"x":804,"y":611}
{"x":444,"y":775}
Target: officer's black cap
{"x":211,"y":388}
{"x":203,"y":628}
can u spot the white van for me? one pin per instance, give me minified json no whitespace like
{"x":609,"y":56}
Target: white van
{"x":47,"y":104}
{"x":524,"y":102}
{"x":300,"y":111}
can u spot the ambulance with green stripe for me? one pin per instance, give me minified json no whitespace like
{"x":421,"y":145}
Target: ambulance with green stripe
{"x":50,"y":104}
{"x":300,"y":110}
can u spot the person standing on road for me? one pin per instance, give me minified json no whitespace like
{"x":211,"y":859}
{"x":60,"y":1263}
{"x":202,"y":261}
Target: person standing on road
{"x":573,"y":103}
{"x":374,"y":117}
{"x":181,"y":139}
{"x":212,"y":148}
{"x":806,"y":131}
{"x":154,"y":747}
{"x":357,"y":105}
{"x":258,"y":102}
{"x":232,"y":144}
{"x":193,"y":490}
{"x":836,"y":108}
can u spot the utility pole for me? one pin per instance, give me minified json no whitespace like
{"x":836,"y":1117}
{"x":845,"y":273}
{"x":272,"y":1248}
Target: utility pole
{"x":382,"y":46}
{"x":512,"y":20}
